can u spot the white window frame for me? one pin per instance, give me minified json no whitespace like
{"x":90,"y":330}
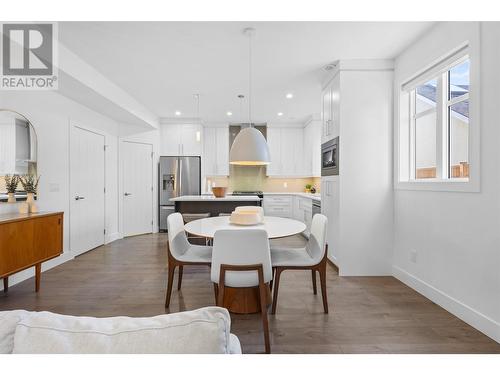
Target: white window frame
{"x":405,"y":126}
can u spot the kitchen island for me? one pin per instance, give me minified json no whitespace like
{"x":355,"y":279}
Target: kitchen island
{"x":209,"y":204}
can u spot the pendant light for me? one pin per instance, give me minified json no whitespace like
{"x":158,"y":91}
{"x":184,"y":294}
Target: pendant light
{"x":249,"y":146}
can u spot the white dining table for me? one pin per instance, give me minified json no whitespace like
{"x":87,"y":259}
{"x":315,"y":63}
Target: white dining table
{"x":275,"y":227}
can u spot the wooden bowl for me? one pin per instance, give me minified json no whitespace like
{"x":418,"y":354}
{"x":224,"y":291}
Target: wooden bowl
{"x":219,"y":192}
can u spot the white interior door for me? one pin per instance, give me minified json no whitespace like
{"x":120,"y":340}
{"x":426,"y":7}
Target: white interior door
{"x":87,"y":210}
{"x":137,"y":188}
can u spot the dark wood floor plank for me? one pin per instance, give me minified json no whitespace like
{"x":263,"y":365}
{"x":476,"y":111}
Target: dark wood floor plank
{"x":367,"y":314}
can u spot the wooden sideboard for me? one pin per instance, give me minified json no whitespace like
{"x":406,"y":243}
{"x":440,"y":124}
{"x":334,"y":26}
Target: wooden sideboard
{"x":28,"y":240}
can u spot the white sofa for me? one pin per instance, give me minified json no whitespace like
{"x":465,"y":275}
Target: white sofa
{"x":202,"y":331}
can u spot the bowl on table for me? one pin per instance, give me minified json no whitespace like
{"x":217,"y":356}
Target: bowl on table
{"x":219,"y":191}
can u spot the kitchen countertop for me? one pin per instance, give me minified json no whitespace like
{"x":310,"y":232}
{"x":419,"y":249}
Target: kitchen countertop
{"x":207,"y":197}
{"x":316,"y":196}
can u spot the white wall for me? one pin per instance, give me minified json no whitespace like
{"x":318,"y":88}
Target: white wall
{"x":365,"y":173}
{"x":456,"y":235}
{"x":51,"y":115}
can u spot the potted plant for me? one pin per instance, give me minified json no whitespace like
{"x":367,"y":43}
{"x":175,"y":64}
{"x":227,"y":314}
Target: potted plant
{"x":11,"y":183}
{"x":30,"y":185}
{"x":308,"y":188}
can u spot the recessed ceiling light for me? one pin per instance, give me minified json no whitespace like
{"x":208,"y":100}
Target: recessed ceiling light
{"x":177,"y":113}
{"x":229,"y":113}
{"x":289,"y":95}
{"x":280,"y":113}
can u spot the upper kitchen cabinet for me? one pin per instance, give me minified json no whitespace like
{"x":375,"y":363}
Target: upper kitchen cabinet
{"x":274,"y":144}
{"x":312,"y":148}
{"x":330,"y":110}
{"x":216,"y":151}
{"x":181,"y":139}
{"x":287,"y":153}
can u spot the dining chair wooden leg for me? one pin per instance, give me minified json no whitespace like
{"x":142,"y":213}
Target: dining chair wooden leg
{"x":271,"y":282}
{"x":263,"y":310}
{"x":179,"y":281}
{"x":322,"y":277}
{"x":216,"y":292}
{"x":170,"y":282}
{"x":276,"y":287}
{"x":313,"y":274}
{"x":220,"y":288}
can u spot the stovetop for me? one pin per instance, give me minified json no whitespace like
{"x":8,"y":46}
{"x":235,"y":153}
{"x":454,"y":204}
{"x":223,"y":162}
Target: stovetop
{"x":257,"y":192}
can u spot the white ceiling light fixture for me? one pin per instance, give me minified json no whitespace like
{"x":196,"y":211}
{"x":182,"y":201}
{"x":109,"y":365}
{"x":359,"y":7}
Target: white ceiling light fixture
{"x":280,"y":114}
{"x":289,"y":95}
{"x":249,"y":146}
{"x":178,"y":113}
{"x":229,"y":113}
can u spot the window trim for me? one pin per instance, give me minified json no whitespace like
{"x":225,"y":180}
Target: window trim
{"x":404,"y":115}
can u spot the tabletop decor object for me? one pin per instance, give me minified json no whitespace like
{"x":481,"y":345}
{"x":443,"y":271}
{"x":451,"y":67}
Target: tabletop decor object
{"x":219,"y":191}
{"x":11,"y":183}
{"x":30,"y":185}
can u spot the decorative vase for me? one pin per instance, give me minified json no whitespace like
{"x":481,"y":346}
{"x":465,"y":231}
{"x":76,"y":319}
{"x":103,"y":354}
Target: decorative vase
{"x":12,"y":198}
{"x":24,"y":208}
{"x":313,"y":190}
{"x":32,"y":206}
{"x":308,"y":190}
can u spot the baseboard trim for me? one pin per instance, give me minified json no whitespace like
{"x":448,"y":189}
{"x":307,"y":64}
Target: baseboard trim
{"x":330,"y":262}
{"x":112,"y":237}
{"x":30,"y":272}
{"x":476,"y":319}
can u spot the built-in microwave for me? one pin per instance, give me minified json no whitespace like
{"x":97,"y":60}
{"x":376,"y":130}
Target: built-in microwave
{"x":330,"y":157}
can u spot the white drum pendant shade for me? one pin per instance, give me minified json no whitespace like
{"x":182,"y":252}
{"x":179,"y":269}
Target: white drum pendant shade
{"x":249,"y":148}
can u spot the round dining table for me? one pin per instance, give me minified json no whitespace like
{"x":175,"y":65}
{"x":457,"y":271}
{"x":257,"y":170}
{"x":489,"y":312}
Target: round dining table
{"x":276,"y":227}
{"x":245,"y":300}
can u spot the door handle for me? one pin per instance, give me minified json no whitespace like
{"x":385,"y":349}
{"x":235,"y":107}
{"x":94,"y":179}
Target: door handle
{"x":77,"y":198}
{"x":127,"y":194}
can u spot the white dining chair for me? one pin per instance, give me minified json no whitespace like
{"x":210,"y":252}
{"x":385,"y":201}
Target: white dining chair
{"x":182,"y":253}
{"x":241,"y":259}
{"x":312,"y":257}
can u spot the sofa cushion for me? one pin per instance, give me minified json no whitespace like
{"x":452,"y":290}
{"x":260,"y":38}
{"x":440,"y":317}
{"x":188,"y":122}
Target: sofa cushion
{"x":206,"y":330}
{"x":8,"y":323}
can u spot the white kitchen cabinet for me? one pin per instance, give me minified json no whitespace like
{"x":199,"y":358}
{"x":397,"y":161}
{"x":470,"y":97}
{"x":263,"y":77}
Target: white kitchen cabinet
{"x":330,"y":110}
{"x":326,"y":113}
{"x":222,"y":153}
{"x":274,"y":144}
{"x":216,"y":151}
{"x":330,"y":208}
{"x":181,"y":139}
{"x":312,"y":149}
{"x":278,"y":205}
{"x":190,"y":140}
{"x":286,"y":149}
{"x":302,"y":211}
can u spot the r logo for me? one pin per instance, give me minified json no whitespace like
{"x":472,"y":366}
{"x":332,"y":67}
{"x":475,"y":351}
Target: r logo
{"x":27,"y":49}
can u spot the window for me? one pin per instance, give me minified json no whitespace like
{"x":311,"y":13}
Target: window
{"x":439,"y":125}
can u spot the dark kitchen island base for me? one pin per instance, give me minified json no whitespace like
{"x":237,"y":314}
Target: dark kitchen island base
{"x":212,"y":207}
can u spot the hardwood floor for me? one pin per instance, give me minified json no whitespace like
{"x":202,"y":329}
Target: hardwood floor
{"x":367,"y":314}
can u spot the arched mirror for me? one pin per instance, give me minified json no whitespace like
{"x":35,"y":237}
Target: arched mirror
{"x":18,"y":151}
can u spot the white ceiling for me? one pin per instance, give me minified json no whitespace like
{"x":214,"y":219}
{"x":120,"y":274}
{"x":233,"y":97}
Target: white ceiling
{"x":162,"y":64}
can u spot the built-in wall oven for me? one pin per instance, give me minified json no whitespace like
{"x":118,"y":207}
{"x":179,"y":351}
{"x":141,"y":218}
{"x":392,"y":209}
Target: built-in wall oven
{"x":330,"y":157}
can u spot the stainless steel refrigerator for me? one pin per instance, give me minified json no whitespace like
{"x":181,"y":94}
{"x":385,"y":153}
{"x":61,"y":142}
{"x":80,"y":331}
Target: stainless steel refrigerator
{"x":177,"y":175}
